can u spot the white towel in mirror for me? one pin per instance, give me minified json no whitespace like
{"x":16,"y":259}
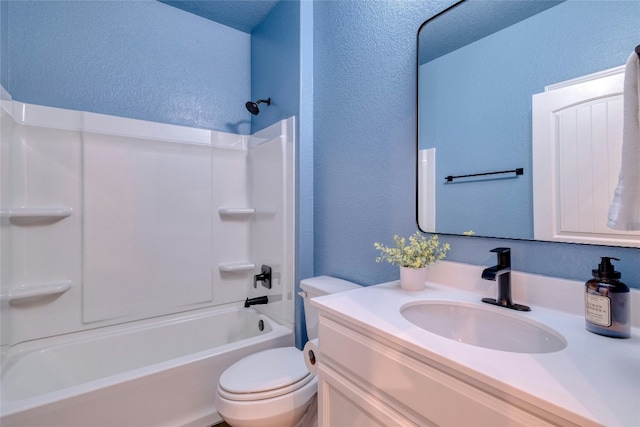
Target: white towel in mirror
{"x":624,"y":212}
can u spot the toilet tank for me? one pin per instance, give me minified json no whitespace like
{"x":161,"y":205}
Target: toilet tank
{"x":315,"y":287}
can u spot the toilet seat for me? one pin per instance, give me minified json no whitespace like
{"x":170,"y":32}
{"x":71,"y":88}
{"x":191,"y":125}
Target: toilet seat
{"x":264,"y":375}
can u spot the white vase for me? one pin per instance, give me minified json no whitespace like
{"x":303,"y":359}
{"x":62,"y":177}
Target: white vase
{"x":413,"y":279}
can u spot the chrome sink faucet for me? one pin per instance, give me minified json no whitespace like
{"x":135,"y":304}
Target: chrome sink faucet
{"x":501,"y":273}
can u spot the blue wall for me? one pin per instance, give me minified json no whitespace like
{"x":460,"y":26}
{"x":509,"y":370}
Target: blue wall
{"x":277,"y":57}
{"x":141,"y":59}
{"x":304,"y":164}
{"x":364,"y":131}
{"x":275,"y":68}
{"x":364,"y":147}
{"x":558,"y":44}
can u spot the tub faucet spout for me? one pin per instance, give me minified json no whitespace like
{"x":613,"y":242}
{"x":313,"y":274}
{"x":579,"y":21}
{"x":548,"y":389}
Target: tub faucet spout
{"x":257,"y":300}
{"x":501,"y":273}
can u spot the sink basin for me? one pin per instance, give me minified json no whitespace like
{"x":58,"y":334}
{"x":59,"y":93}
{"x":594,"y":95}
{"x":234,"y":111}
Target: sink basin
{"x":483,"y":327}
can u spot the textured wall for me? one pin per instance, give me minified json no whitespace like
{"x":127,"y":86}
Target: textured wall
{"x":364,"y":146}
{"x":275,"y":73}
{"x":275,"y":65}
{"x":138,"y":59}
{"x":364,"y":131}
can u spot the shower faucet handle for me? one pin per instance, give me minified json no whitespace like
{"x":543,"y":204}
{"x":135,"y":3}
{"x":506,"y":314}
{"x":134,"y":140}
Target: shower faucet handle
{"x":264,"y":277}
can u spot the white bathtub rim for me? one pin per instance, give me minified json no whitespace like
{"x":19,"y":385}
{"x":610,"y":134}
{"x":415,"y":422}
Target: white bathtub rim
{"x":107,"y":331}
{"x":10,"y":407}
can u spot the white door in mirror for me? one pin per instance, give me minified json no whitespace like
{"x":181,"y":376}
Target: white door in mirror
{"x":577,"y":149}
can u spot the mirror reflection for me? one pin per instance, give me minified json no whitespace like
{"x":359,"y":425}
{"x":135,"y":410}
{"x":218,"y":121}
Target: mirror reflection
{"x":483,"y":66}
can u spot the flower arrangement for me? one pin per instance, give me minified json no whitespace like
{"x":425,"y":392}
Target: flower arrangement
{"x":419,"y":253}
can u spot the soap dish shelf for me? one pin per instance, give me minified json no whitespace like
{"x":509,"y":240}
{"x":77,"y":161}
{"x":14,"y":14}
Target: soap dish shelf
{"x":25,"y":293}
{"x":233,"y":267}
{"x":236,"y":212}
{"x":26,"y":215}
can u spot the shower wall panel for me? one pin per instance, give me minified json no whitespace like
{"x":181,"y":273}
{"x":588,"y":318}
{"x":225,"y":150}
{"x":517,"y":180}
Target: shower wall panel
{"x":271,"y":166}
{"x":147,"y":231}
{"x":231,"y":234}
{"x":44,"y":250}
{"x":109,"y":220}
{"x":7,"y":126}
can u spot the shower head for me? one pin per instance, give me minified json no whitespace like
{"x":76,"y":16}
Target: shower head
{"x":253,"y":106}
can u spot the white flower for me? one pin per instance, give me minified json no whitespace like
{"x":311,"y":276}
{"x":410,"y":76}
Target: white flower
{"x":419,"y":253}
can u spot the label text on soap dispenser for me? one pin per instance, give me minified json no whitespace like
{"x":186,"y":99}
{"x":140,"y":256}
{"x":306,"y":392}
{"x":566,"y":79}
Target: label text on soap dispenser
{"x":598,"y":309}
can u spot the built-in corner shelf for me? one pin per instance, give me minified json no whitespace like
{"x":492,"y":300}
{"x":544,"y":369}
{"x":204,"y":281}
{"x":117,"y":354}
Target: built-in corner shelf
{"x":236,"y":212}
{"x":21,"y":294}
{"x":26,"y":215}
{"x":236,"y":266}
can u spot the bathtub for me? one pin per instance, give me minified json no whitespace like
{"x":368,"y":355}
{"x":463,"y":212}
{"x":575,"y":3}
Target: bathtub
{"x":161,"y":372}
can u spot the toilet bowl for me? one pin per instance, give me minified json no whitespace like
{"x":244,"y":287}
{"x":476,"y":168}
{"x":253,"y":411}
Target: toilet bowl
{"x":274,"y":388}
{"x":269,"y":388}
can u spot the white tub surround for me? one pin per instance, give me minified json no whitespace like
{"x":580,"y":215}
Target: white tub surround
{"x":108,"y":220}
{"x":116,"y":235}
{"x":371,"y":350}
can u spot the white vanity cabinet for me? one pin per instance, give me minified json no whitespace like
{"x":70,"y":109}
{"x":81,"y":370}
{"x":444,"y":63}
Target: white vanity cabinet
{"x":366,"y":380}
{"x":376,"y":367}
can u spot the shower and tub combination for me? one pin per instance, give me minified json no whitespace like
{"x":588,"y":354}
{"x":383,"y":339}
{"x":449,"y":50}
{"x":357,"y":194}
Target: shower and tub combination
{"x":128,"y":249}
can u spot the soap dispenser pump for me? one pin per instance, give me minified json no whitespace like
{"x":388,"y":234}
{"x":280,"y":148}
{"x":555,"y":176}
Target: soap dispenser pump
{"x":607,"y":305}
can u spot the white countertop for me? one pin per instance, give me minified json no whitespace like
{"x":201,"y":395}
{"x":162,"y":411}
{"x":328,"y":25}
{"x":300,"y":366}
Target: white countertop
{"x":595,"y":379}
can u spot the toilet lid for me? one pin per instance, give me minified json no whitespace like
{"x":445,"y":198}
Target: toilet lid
{"x":268,"y":373}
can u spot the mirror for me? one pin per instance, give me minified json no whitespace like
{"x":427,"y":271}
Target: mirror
{"x":480,"y":65}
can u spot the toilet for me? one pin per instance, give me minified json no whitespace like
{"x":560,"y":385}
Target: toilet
{"x":274,"y":388}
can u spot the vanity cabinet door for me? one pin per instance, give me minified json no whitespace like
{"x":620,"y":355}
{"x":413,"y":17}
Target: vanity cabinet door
{"x":412,"y":387}
{"x":342,"y":403}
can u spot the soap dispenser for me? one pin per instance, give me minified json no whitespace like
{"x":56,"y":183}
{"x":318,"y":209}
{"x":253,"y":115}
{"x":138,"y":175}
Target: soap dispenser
{"x":607,"y":305}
